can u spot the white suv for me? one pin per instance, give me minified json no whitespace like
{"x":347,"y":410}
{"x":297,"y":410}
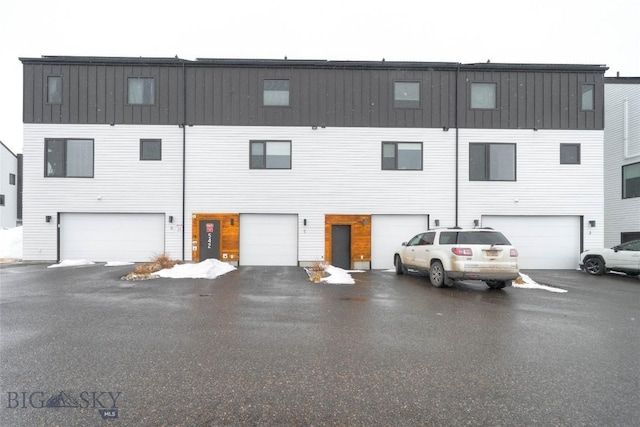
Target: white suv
{"x":458,"y":254}
{"x":624,"y":258}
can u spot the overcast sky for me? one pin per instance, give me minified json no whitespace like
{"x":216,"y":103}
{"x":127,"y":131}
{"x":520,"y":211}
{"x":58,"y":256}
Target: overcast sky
{"x":514,"y":31}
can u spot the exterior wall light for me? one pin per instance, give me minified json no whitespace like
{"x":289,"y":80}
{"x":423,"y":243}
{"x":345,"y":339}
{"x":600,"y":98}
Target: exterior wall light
{"x":436,"y":222}
{"x":592,"y":223}
{"x":476,"y":222}
{"x":170,"y":218}
{"x":47,"y":218}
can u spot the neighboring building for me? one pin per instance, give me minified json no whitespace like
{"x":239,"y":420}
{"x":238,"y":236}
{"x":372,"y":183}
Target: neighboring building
{"x":287,"y":162}
{"x":622,"y":160}
{"x":9,"y":178}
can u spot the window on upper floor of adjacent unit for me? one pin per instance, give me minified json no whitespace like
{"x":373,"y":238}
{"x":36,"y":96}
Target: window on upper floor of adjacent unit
{"x":54,"y":89}
{"x":588,"y":97}
{"x":406,"y":94}
{"x":402,"y":156}
{"x":631,"y":181}
{"x":141,"y":91}
{"x":275,"y":93}
{"x":12,"y":179}
{"x":270,"y":155}
{"x":68,"y":158}
{"x":1,"y":199}
{"x":569,"y":154}
{"x":483,"y":96}
{"x":492,"y":162}
{"x":150,"y":149}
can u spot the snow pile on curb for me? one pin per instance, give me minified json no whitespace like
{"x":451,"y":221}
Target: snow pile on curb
{"x":322,"y":273}
{"x":71,"y":263}
{"x":525,"y":282}
{"x":207,"y":269}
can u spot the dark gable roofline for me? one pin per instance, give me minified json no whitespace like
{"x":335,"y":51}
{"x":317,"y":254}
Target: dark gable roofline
{"x":312,"y":63}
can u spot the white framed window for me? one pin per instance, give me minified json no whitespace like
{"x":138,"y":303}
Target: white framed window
{"x":484,"y":96}
{"x":68,"y":158}
{"x":141,"y":91}
{"x":406,"y":95}
{"x":492,"y":162}
{"x":270,"y":155}
{"x":402,"y":156}
{"x":276,"y":93}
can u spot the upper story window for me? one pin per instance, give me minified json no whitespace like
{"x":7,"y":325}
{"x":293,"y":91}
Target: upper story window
{"x":406,"y":94}
{"x":270,"y":155}
{"x":54,"y":89}
{"x":141,"y":91}
{"x":492,"y":162}
{"x":276,"y":93}
{"x":1,"y":199}
{"x":569,"y":154}
{"x":68,"y":158}
{"x":631,"y":181}
{"x":12,"y":179}
{"x":150,"y":149}
{"x":401,"y":156}
{"x":484,"y":95}
{"x":588,"y":96}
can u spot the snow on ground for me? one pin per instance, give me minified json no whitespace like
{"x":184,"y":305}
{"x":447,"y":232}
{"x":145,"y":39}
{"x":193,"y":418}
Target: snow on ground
{"x":71,"y":263}
{"x":529,"y":283}
{"x":207,"y":269}
{"x":118,"y":263}
{"x":338,"y":276}
{"x":11,"y":243}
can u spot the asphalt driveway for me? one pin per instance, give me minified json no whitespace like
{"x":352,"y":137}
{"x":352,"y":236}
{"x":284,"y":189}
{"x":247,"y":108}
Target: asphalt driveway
{"x":265,"y":346}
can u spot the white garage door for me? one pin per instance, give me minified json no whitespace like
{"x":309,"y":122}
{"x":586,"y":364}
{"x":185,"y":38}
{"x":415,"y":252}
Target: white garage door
{"x":111,"y":237}
{"x":543,"y":242}
{"x":268,"y":239}
{"x":388,"y":232}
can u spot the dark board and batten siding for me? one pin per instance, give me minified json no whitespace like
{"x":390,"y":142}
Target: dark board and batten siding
{"x":322,"y":93}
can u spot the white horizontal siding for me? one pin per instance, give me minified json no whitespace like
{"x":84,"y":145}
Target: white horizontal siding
{"x":8,"y":165}
{"x":123,"y":182}
{"x":334,"y":171}
{"x":622,"y":215}
{"x":543,"y":185}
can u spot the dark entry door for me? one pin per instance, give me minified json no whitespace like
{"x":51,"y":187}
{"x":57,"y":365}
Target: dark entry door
{"x":209,"y":244}
{"x":341,"y":246}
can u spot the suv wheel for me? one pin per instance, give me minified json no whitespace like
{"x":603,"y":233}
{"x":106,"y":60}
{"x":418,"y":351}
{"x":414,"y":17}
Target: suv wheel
{"x":438,"y":276}
{"x":496,"y":284}
{"x":594,"y":265}
{"x":400,"y":269}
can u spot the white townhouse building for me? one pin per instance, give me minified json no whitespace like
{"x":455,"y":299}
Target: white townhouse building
{"x":622,"y":160}
{"x":290,"y":162}
{"x":9,"y":194}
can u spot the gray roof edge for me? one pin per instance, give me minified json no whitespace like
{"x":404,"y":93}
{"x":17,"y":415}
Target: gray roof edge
{"x":622,"y":80}
{"x":310,"y":63}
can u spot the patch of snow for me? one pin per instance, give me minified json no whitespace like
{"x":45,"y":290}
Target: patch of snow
{"x":118,"y":263}
{"x":338,"y":276}
{"x":71,"y":263}
{"x":531,"y":284}
{"x":207,"y":269}
{"x":11,"y":243}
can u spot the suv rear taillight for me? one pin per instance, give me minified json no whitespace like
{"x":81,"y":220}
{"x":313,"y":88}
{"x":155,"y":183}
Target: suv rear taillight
{"x":514,"y":253}
{"x":462,"y":251}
